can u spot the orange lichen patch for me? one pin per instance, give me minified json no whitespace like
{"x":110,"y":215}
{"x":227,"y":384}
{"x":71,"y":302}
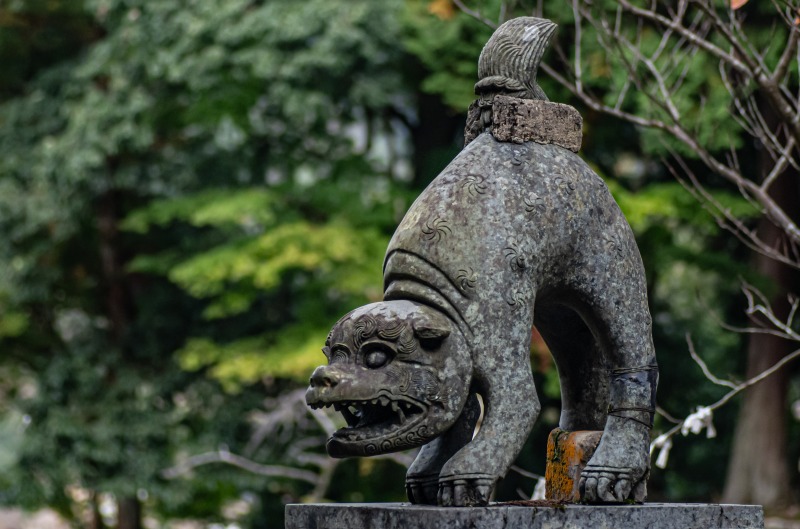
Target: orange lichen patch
{"x":443,"y":9}
{"x":567,"y":455}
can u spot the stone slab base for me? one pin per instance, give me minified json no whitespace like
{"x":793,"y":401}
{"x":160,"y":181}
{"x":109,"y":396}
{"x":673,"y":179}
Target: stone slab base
{"x":510,"y":516}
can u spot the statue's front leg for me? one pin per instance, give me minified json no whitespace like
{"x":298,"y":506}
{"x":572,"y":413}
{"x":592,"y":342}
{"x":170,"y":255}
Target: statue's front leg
{"x":510,"y":409}
{"x":619,"y":468}
{"x":422,"y":478}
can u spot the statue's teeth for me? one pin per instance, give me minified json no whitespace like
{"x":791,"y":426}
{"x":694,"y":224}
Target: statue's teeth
{"x":374,"y":401}
{"x":384,"y":401}
{"x":395,"y":407}
{"x":402,"y":416}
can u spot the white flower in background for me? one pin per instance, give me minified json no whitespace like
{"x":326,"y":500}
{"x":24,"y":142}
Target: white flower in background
{"x":664,"y":443}
{"x":698,"y":420}
{"x":539,"y":489}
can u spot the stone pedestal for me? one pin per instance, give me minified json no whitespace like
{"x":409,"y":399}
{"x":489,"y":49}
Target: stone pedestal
{"x":511,"y":516}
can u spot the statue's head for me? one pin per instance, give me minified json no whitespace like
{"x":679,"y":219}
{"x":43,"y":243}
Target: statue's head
{"x":398,"y":371}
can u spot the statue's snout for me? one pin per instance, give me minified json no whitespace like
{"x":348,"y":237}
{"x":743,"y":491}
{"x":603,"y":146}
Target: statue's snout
{"x":325,"y":377}
{"x":323,"y":386}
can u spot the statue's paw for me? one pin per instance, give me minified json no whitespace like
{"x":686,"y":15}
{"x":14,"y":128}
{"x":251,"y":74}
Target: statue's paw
{"x":422,"y":489}
{"x":618,"y":470}
{"x":611,"y":484}
{"x":465,"y":491}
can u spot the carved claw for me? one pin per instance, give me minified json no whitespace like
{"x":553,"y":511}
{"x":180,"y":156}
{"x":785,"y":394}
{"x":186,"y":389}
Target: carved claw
{"x":622,"y":489}
{"x":459,"y":492}
{"x":423,"y":490}
{"x":604,"y":484}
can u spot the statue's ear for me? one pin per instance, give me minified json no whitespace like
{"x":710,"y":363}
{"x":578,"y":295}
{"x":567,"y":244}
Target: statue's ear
{"x":431,"y":330}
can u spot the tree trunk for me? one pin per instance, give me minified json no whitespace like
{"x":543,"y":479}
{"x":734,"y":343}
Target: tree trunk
{"x":129,"y":513}
{"x":110,"y":261}
{"x":95,"y":519}
{"x":758,"y":470}
{"x":129,"y":509}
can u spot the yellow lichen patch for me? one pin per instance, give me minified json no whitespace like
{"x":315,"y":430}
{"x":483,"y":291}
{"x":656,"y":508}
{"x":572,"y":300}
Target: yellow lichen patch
{"x":567,"y":455}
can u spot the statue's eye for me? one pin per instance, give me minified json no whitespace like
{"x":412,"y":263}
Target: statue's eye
{"x":376,"y":358}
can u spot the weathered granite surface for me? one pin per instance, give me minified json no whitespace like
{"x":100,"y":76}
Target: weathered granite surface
{"x":503,"y":516}
{"x":518,"y":120}
{"x":516,"y":231}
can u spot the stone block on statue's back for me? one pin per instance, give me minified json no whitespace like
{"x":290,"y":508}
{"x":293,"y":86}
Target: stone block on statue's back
{"x":516,"y":231}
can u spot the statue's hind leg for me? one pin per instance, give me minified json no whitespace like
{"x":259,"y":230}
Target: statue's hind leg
{"x":620,"y":321}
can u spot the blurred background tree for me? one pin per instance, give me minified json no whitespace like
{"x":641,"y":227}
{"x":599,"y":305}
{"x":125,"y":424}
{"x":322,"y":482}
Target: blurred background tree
{"x":192,"y":193}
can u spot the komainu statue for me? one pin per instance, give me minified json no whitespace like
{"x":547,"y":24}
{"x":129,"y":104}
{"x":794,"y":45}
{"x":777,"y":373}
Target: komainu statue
{"x":517,"y":231}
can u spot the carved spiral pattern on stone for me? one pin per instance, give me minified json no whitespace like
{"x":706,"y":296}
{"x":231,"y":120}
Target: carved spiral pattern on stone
{"x":406,"y":344}
{"x":370,"y":449}
{"x":415,"y":437}
{"x":614,"y":245}
{"x":403,"y":386}
{"x":515,"y":300}
{"x":338,"y":355}
{"x":392,"y":333}
{"x":599,"y":182}
{"x":515,"y":257}
{"x":466,"y":279}
{"x":364,"y":329}
{"x":436,"y":230}
{"x":533,"y":202}
{"x":565,"y":184}
{"x":475,"y":184}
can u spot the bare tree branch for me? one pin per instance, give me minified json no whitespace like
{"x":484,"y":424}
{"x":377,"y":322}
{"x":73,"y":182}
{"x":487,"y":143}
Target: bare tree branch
{"x":738,"y":389}
{"x":474,"y":14}
{"x":708,"y":374}
{"x":782,"y":68}
{"x":675,"y":25}
{"x":664,"y":413}
{"x":223,"y":456}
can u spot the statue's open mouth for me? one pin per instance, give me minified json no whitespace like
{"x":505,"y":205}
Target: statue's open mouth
{"x":374,"y":417}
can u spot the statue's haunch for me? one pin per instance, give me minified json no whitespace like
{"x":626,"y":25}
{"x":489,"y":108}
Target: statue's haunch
{"x":517,"y":231}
